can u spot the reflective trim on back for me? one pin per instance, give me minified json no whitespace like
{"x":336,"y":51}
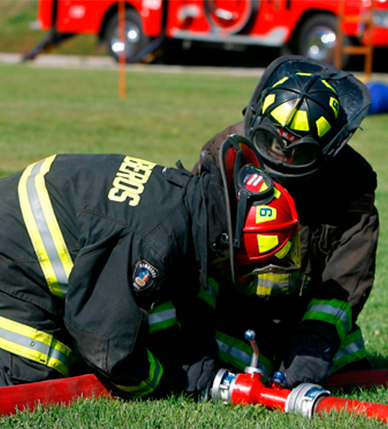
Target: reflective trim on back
{"x":43,"y":227}
{"x":38,"y":346}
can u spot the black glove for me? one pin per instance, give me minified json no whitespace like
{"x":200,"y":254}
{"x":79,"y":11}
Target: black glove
{"x":310,"y":360}
{"x":197,"y":377}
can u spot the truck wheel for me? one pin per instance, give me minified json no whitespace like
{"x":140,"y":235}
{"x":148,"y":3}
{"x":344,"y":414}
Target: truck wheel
{"x":317,"y":39}
{"x":136,"y":40}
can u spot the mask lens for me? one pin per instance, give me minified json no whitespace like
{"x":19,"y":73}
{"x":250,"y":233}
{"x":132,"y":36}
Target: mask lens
{"x":273,"y":147}
{"x":248,"y":154}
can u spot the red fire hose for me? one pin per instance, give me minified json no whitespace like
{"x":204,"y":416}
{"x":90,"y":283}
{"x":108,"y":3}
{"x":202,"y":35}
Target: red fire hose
{"x":244,"y":388}
{"x":61,"y":391}
{"x":247,"y":388}
{"x":306,"y":399}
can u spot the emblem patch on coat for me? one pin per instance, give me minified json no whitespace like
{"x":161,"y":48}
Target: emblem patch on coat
{"x":144,"y":275}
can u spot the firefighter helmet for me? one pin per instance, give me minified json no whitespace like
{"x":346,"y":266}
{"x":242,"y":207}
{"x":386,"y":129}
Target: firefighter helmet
{"x":302,"y":113}
{"x":269,"y":239}
{"x":262,"y":218}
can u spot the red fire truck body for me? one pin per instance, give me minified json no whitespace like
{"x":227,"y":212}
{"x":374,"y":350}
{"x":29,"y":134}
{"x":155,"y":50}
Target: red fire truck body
{"x":308,"y":27}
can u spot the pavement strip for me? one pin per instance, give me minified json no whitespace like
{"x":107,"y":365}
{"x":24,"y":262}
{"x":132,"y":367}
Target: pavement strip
{"x":106,"y":62}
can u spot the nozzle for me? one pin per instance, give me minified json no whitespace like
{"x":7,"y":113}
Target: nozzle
{"x":250,"y":335}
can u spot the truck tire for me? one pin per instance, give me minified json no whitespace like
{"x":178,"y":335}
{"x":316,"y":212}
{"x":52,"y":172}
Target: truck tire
{"x":136,"y":40}
{"x":317,"y":39}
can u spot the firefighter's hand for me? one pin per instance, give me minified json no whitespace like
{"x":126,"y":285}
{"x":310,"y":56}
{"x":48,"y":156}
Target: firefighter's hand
{"x":194,"y":379}
{"x":310,"y":361}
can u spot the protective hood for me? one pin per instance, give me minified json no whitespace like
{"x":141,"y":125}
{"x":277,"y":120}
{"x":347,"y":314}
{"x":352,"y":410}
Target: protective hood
{"x":354,"y":99}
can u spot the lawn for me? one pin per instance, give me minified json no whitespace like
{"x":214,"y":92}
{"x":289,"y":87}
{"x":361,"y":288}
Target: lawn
{"x":165,"y":117}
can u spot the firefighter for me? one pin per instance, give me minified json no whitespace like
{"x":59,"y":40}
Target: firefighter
{"x":300,"y":118}
{"x":100,"y":254}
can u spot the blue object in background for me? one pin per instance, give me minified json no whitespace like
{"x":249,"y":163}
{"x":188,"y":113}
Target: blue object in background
{"x":379,"y":95}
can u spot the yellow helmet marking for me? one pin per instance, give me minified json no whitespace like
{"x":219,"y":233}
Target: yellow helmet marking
{"x":265,"y":214}
{"x":277,"y":193}
{"x":328,"y":85}
{"x":304,"y":74}
{"x":269,"y":99}
{"x":283,"y":113}
{"x":279,"y":82}
{"x":333,"y":102}
{"x":323,"y":126}
{"x":284,"y":250}
{"x":267,"y":242}
{"x":300,"y":121}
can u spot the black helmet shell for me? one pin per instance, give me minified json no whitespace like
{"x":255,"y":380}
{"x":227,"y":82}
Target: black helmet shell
{"x":354,"y":102}
{"x":302,"y":104}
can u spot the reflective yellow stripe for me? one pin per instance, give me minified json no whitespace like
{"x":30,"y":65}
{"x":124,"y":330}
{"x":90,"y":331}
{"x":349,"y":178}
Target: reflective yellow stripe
{"x":43,"y":227}
{"x":352,"y":350}
{"x":22,"y":340}
{"x":210,"y":296}
{"x":266,"y":243}
{"x":277,"y":283}
{"x":162,"y":317}
{"x":283,"y":112}
{"x":328,"y":85}
{"x":284,"y":250}
{"x":300,"y":121}
{"x":323,"y":126}
{"x":334,"y":311}
{"x":279,"y":82}
{"x":270,"y":99}
{"x":147,"y":386}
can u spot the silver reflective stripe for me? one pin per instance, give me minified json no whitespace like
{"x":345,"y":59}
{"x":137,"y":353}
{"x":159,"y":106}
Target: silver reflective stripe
{"x":234,"y":351}
{"x":34,"y":345}
{"x":272,"y":284}
{"x":43,"y":228}
{"x":161,"y":316}
{"x":213,"y":292}
{"x":334,"y":311}
{"x":45,"y":234}
{"x":350,"y":349}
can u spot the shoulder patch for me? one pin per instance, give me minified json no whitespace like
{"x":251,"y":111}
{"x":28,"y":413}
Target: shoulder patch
{"x":144,"y":275}
{"x":362,"y":205}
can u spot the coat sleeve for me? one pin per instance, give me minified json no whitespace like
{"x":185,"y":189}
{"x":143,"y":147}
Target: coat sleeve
{"x":102,"y":315}
{"x":348,"y":274}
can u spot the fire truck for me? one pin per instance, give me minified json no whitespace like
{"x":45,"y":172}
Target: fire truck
{"x":305,"y":27}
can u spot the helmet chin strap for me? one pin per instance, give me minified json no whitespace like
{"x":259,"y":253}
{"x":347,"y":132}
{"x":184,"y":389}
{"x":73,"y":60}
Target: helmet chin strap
{"x":241,"y":210}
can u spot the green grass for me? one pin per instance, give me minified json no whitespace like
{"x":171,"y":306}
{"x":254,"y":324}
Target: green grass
{"x":165,"y":117}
